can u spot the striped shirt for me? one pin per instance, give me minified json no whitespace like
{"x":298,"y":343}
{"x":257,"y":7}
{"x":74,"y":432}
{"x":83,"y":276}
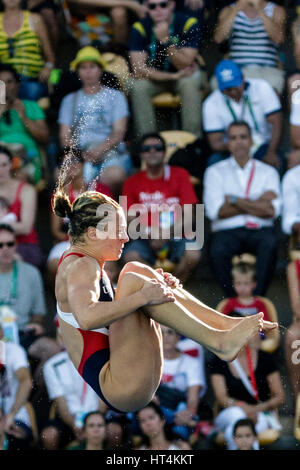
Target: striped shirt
{"x":22,"y":50}
{"x":250,"y":43}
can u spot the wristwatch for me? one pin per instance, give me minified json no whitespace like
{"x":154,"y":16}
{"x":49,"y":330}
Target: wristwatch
{"x":233,"y":199}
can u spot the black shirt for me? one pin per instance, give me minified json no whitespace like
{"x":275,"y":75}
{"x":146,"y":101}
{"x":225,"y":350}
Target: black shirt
{"x":265,"y":366}
{"x":184,"y":32}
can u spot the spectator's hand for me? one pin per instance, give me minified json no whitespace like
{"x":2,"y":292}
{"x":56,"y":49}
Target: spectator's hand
{"x":161,"y":31}
{"x":44,"y":74}
{"x":93,"y":156}
{"x":36,"y":327}
{"x":18,"y":106}
{"x":183,"y":418}
{"x":78,"y":432}
{"x":194,"y":4}
{"x":186,"y":72}
{"x":250,"y":411}
{"x":139,"y":9}
{"x":11,"y":428}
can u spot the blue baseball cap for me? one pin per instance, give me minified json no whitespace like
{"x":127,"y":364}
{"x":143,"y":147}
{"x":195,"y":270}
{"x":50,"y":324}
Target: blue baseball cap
{"x":229,"y":74}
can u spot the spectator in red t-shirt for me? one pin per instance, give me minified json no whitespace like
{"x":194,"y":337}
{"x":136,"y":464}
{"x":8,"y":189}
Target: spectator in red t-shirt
{"x":245,"y":303}
{"x":160,"y":184}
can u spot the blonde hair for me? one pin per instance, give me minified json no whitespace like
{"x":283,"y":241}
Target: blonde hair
{"x":82,"y":213}
{"x":244,"y":268}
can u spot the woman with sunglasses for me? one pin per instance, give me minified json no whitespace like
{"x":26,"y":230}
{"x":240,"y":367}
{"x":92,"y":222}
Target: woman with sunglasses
{"x":24,"y":44}
{"x":22,"y":200}
{"x":123,"y":363}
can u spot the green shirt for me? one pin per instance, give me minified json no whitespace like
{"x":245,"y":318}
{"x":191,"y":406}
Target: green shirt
{"x":16,"y":131}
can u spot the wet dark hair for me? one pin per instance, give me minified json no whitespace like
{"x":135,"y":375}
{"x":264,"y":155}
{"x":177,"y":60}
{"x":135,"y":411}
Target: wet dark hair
{"x":10,"y":69}
{"x":169,"y":433}
{"x":245,"y":422}
{"x":152,"y":135}
{"x":91,"y":413}
{"x":82,"y":213}
{"x":6,"y":151}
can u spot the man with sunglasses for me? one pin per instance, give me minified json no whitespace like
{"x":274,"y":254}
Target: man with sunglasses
{"x":157,"y":186}
{"x":21,"y":289}
{"x":163,"y":52}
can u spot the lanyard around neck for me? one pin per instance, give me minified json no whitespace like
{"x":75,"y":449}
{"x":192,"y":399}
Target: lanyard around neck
{"x":246,"y":102}
{"x":251,"y":372}
{"x":14,"y":284}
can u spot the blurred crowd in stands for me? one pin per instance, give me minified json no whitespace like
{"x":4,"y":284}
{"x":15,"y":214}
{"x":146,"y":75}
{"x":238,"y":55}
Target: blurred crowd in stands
{"x":167,"y":103}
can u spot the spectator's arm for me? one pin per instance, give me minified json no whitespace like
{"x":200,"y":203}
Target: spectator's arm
{"x":225,"y":23}
{"x":260,"y":207}
{"x":36,"y":127}
{"x":41,"y":31}
{"x":28,"y":210}
{"x":193,"y":399}
{"x":23,"y":391}
{"x":51,"y":23}
{"x":105,"y":3}
{"x":216,"y":141}
{"x":65,"y":135}
{"x":182,"y":57}
{"x":229,"y":210}
{"x":185,"y":417}
{"x":277,"y":393}
{"x":293,"y":286}
{"x":275,"y":119}
{"x":296,"y":40}
{"x":63,"y":411}
{"x":141,"y":70}
{"x":295,"y":136}
{"x":220,"y":390}
{"x":215,"y":202}
{"x":291,"y":209}
{"x":275,"y":27}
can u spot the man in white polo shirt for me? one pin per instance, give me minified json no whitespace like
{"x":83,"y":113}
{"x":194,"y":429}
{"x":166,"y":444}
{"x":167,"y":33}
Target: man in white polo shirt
{"x":291,"y":203}
{"x":242,"y":200}
{"x":251,"y":100}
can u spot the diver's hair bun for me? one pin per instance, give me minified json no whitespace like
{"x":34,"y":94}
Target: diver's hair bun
{"x":61,"y":204}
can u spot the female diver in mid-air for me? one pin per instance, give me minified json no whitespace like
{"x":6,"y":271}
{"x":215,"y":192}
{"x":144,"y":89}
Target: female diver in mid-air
{"x":114,"y":341}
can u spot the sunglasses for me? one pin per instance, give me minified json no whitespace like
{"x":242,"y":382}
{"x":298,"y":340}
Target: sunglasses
{"x":11,"y":47}
{"x":157,"y":147}
{"x":153,"y":6}
{"x":9,"y":244}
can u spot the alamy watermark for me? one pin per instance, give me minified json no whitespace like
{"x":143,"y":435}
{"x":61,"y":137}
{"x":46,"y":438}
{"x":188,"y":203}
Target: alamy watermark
{"x":2,"y":92}
{"x":296,"y":353}
{"x":154,"y":221}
